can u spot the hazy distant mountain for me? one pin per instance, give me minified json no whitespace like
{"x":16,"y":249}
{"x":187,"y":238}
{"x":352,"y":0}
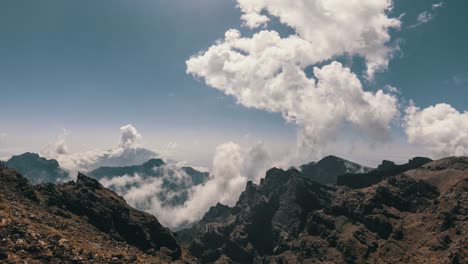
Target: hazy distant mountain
{"x":149,"y":168}
{"x":387,"y":168}
{"x":117,"y":157}
{"x":410,"y":217}
{"x":174,"y":180}
{"x":329,"y":168}
{"x":37,"y":169}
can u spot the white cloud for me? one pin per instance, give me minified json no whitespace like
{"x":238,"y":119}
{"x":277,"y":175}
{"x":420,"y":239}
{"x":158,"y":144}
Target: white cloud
{"x":437,"y":6}
{"x":266,"y":71}
{"x":233,"y":166}
{"x":130,"y":137}
{"x":440,"y":128}
{"x":254,"y":20}
{"x":126,"y":153}
{"x":332,"y":27}
{"x":427,"y":16}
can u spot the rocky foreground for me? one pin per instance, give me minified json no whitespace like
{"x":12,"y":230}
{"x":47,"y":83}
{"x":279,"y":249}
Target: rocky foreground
{"x":418,"y":216}
{"x":77,"y":222}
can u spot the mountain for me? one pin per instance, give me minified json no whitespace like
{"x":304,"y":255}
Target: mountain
{"x":386,"y":169}
{"x":148,"y":168}
{"x":91,"y":160}
{"x":329,"y":168}
{"x":176,"y":180}
{"x":77,"y":222}
{"x":414,"y":217}
{"x":37,"y":169}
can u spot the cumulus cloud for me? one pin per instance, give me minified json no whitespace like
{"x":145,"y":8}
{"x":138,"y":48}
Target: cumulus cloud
{"x":266,"y":71}
{"x":440,"y":128}
{"x":332,"y":27}
{"x":233,"y":166}
{"x":126,"y":153}
{"x":129,"y":138}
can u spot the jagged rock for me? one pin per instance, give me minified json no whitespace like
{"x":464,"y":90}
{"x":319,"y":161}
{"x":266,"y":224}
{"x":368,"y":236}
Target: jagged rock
{"x":91,"y":217}
{"x":111,"y":214}
{"x":288,"y":218}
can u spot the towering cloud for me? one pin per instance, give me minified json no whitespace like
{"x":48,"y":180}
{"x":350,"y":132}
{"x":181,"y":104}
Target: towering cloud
{"x":130,"y":137}
{"x":440,"y":128}
{"x":267,"y":72}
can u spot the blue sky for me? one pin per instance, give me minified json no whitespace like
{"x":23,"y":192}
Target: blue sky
{"x":92,"y":66}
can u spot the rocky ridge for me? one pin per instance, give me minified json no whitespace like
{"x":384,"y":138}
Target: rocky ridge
{"x":288,"y":218}
{"x":77,"y":222}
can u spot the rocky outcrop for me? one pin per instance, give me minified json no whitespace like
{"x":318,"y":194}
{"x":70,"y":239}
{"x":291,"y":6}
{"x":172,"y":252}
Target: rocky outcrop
{"x":109,"y":213}
{"x":37,"y":169}
{"x":77,"y":222}
{"x":329,"y":168}
{"x":384,"y":170}
{"x":289,"y":218}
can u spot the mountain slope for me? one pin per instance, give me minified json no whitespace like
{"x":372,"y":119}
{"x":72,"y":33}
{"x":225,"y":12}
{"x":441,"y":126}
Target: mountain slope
{"x":37,"y":169}
{"x":77,"y":222}
{"x":174,"y":180}
{"x":329,"y":168}
{"x":386,"y":169}
{"x":288,"y":218}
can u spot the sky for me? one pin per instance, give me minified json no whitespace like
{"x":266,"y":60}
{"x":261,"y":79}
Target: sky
{"x":90,"y":67}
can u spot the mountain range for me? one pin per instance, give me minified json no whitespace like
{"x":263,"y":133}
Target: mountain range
{"x":418,"y":216}
{"x":409,"y":213}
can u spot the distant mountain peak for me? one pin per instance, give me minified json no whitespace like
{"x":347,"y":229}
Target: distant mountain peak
{"x":384,"y":170}
{"x":37,"y":169}
{"x":86,"y":181}
{"x":329,"y":168}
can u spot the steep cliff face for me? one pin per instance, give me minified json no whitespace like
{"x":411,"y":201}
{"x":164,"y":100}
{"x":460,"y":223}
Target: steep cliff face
{"x":109,"y":213}
{"x":77,"y":222}
{"x":288,"y":218}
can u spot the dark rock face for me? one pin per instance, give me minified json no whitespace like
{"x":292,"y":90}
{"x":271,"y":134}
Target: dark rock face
{"x":76,"y":222}
{"x":110,"y":213}
{"x":37,"y":169}
{"x":384,"y":170}
{"x":289,"y":218}
{"x":329,"y":168}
